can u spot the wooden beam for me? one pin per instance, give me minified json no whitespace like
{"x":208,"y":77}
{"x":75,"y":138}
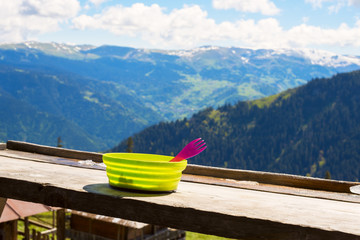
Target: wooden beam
{"x":272,"y":178}
{"x":2,"y":204}
{"x":38,"y":224}
{"x":53,"y":151}
{"x":49,"y":231}
{"x":236,"y":174}
{"x":260,"y":181}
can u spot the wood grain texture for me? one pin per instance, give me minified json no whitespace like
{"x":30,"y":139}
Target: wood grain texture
{"x":200,"y":207}
{"x":228,"y":182}
{"x":60,"y":224}
{"x":53,"y":151}
{"x":2,"y":204}
{"x":236,"y":174}
{"x":258,"y":186}
{"x":272,"y":178}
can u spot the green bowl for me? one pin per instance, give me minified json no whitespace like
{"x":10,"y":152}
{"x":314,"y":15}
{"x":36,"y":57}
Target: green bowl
{"x":146,"y":172}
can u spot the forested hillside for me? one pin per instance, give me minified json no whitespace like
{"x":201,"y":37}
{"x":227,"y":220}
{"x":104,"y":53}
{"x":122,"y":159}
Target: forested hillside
{"x":87,"y":114}
{"x":308,"y":130}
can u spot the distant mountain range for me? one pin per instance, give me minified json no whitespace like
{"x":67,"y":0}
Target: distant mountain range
{"x":105,"y":94}
{"x":311,"y":130}
{"x":40,"y":107}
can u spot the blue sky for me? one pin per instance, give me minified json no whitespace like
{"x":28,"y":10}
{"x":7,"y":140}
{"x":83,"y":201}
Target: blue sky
{"x":332,"y":25}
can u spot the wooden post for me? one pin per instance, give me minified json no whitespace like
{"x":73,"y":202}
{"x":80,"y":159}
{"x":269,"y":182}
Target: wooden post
{"x":8,"y":230}
{"x":121,"y":233}
{"x":38,"y":235}
{"x":2,"y":204}
{"x":26,"y":229}
{"x":15,"y":229}
{"x":53,"y":223}
{"x":60,"y":224}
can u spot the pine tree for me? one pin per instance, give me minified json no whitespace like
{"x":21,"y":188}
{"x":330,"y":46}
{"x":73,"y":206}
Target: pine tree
{"x":130,"y":145}
{"x":59,"y":142}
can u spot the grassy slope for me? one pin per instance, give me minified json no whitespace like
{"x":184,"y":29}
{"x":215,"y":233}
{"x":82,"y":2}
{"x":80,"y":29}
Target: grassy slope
{"x":199,"y":236}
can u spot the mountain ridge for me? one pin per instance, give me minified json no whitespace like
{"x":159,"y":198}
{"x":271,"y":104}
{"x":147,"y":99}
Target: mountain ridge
{"x":316,"y":56}
{"x":146,"y":86}
{"x":308,"y":130}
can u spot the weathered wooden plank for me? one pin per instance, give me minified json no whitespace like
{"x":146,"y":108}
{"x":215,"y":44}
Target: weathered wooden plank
{"x":252,"y":185}
{"x":53,"y":151}
{"x":218,"y":210}
{"x":38,"y":224}
{"x":236,"y":174}
{"x":49,"y":231}
{"x":273,"y":178}
{"x":206,"y":179}
{"x":2,"y":146}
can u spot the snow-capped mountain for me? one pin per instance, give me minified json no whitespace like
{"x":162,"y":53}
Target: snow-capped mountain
{"x":178,"y":83}
{"x":315,"y":56}
{"x":321,"y":57}
{"x":138,"y":83}
{"x":55,"y":49}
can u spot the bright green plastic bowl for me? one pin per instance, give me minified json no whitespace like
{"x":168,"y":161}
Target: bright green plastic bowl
{"x":145,"y":172}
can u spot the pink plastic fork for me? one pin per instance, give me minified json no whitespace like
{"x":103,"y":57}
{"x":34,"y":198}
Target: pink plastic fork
{"x":192,"y":149}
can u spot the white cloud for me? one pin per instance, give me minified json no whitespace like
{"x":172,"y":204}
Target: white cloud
{"x":333,"y":5}
{"x":24,"y":19}
{"x":317,"y":3}
{"x":52,"y":9}
{"x":305,"y":35}
{"x":355,"y":3}
{"x":190,"y":26}
{"x":265,"y":7}
{"x":186,"y":26}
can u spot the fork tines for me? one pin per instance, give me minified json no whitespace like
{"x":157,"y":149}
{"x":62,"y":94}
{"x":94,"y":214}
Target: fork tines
{"x":200,"y":144}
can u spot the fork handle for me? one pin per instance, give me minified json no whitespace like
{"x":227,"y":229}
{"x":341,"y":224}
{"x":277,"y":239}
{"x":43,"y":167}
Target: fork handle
{"x":177,"y":159}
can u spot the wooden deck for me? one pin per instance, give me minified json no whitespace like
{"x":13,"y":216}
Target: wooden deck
{"x":224,"y":202}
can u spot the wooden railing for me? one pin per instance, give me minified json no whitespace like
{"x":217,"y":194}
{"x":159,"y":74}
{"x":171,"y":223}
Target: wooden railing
{"x":31,"y":233}
{"x":224,"y":202}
